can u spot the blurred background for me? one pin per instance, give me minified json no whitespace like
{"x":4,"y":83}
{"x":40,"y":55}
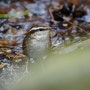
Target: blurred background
{"x":67,"y":65}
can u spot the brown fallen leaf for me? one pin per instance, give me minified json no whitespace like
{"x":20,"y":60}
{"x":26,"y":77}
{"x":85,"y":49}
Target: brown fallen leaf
{"x":6,"y":43}
{"x":15,"y":56}
{"x":2,"y":64}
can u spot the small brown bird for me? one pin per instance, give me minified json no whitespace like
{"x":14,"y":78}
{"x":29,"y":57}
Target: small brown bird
{"x":37,"y":42}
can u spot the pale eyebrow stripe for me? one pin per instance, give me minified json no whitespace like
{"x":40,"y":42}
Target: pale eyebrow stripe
{"x":37,"y":28}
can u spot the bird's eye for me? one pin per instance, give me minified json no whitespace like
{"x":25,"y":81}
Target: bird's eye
{"x":40,"y":29}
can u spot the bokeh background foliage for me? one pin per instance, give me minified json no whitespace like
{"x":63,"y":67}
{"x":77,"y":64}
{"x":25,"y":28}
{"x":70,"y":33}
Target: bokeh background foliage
{"x":70,"y":71}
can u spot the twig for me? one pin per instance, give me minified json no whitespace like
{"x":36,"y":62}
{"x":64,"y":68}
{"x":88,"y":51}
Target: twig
{"x":11,"y":47}
{"x":73,"y":24}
